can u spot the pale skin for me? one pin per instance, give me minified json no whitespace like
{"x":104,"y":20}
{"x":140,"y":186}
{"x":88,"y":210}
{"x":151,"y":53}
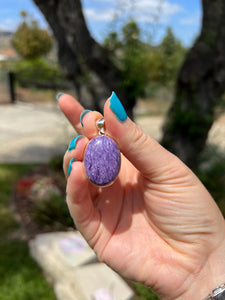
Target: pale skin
{"x":156,"y":224}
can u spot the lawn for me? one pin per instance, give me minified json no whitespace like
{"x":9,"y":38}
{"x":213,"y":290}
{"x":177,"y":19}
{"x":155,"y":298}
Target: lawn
{"x":20,"y":277}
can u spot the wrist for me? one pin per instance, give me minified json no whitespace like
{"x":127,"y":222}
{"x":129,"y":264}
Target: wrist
{"x":212,"y":275}
{"x":217,"y":294}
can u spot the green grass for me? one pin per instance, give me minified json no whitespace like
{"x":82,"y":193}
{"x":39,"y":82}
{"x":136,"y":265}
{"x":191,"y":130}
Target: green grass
{"x":20,"y":277}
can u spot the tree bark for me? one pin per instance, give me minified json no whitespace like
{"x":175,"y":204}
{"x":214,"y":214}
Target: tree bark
{"x":79,"y":54}
{"x":200,"y":85}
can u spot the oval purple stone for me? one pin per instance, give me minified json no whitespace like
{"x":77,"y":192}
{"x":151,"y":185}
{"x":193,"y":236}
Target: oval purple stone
{"x":102,"y":160}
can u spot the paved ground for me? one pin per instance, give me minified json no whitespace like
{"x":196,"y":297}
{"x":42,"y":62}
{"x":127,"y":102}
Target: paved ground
{"x":36,"y":133}
{"x":32,"y":133}
{"x":74,"y":270}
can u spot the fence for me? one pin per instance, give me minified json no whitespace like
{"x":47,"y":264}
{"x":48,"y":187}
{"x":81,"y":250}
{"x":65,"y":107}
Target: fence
{"x":7,"y":92}
{"x":9,"y":86}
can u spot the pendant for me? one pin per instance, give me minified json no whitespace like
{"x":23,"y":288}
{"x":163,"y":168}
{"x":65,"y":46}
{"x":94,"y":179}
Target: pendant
{"x":102,"y":158}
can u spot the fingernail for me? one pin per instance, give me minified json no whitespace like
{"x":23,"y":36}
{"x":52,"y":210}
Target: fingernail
{"x":84,"y":112}
{"x":117,"y":107}
{"x":59,"y":95}
{"x":72,"y":144}
{"x":70,"y":165}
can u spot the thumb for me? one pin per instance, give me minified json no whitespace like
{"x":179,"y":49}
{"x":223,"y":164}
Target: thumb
{"x":146,"y":154}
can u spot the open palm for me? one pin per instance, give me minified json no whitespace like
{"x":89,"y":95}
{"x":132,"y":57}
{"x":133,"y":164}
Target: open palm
{"x":156,"y":224}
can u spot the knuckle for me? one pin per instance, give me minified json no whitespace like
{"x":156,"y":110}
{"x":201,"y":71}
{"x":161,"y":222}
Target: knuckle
{"x":140,"y":139}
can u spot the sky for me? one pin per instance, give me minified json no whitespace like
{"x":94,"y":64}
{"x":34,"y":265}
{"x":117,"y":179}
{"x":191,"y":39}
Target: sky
{"x":103,"y":16}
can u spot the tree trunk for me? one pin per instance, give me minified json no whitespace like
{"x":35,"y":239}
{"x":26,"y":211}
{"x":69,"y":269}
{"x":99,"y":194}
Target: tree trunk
{"x":81,"y":56}
{"x":200,"y":85}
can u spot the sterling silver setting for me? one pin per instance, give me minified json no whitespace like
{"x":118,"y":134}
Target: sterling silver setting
{"x":101,"y":126}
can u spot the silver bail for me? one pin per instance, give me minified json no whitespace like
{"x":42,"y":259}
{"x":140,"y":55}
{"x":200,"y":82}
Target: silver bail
{"x":101,"y":126}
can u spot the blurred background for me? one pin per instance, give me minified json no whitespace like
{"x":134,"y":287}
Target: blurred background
{"x":166,"y":61}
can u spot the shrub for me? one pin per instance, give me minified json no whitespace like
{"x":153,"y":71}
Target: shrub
{"x":212,"y":174}
{"x":37,"y":71}
{"x":52,"y":211}
{"x":29,"y":40}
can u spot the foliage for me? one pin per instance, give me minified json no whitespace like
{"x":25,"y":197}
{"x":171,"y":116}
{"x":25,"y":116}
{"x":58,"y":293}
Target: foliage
{"x":212,"y":174}
{"x":8,"y":176}
{"x":29,"y":40}
{"x":173,"y":54}
{"x":38,"y":70}
{"x":164,"y":61}
{"x":56,"y":164}
{"x":144,"y":292}
{"x":52,"y":211}
{"x":129,"y":56}
{"x":20,"y":277}
{"x":49,"y":208}
{"x":135,"y":74}
{"x":145,"y":67}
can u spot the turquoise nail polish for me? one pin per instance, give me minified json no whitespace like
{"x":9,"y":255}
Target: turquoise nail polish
{"x":70,"y":165}
{"x":84,"y":112}
{"x":72,"y":144}
{"x":58,"y":96}
{"x":117,"y":107}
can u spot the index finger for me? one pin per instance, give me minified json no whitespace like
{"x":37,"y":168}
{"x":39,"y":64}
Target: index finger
{"x":71,"y":109}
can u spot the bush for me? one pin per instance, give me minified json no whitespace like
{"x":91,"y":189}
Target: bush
{"x":56,"y":164}
{"x":212,"y":174}
{"x":37,"y":71}
{"x":29,"y":40}
{"x":52,"y":211}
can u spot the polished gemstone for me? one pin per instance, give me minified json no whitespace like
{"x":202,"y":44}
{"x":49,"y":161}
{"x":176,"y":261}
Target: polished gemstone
{"x":102,"y":160}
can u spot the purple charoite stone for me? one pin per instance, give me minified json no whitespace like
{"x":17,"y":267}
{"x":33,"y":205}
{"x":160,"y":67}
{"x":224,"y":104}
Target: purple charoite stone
{"x":102,"y":160}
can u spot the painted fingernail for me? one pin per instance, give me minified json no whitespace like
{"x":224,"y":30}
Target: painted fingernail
{"x":70,"y":165}
{"x":84,"y":112}
{"x":117,"y":107}
{"x":72,"y":144}
{"x":59,"y":95}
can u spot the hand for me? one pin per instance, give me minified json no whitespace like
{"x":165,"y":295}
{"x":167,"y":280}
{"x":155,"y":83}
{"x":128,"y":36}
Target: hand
{"x":156,"y":224}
